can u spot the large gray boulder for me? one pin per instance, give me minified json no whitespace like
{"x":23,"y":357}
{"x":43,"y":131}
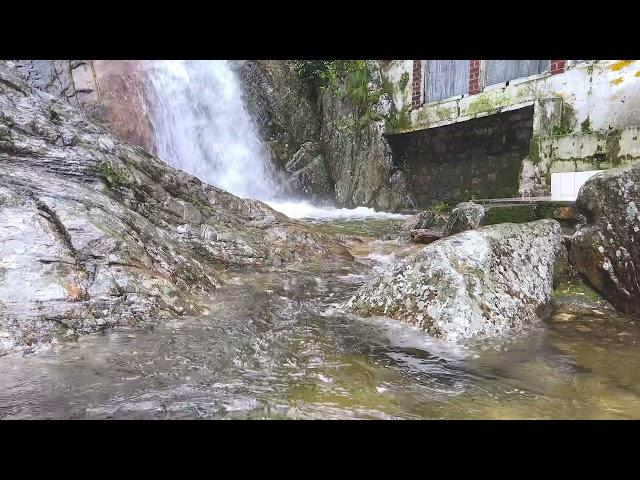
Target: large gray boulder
{"x":464,"y":216}
{"x":426,"y":219}
{"x":95,"y":232}
{"x":606,"y":249}
{"x":111,"y":93}
{"x":480,"y":282}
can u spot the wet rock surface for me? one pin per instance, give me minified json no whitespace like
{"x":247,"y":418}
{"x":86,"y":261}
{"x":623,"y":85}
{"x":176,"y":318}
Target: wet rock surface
{"x":423,"y":235}
{"x":96,"y":233}
{"x":574,"y":297}
{"x":606,"y":249}
{"x":426,"y":219}
{"x":481,"y":282}
{"x":111,"y":93}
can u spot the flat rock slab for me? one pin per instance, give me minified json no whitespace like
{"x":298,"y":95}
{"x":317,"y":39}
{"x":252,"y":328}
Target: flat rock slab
{"x":424,"y":235}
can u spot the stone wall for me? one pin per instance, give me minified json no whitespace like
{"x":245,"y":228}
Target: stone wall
{"x":481,"y":158}
{"x":579,"y":152}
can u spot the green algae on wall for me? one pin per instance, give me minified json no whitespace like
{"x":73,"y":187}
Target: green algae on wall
{"x":569,"y":119}
{"x":483,"y":104}
{"x":481,"y":158}
{"x":509,"y":214}
{"x":577,"y":152}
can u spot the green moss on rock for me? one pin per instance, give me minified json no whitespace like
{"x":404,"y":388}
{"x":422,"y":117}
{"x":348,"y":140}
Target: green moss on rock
{"x":112,"y":176}
{"x":576,"y":288}
{"x":509,"y":214}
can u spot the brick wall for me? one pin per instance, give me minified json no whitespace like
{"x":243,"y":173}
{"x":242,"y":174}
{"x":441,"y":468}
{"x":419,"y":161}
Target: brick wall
{"x":557,"y":66}
{"x":474,"y":77}
{"x":416,"y":86}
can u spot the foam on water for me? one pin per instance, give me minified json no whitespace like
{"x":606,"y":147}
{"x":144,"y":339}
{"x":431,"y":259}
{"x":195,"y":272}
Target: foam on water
{"x":302,"y":209}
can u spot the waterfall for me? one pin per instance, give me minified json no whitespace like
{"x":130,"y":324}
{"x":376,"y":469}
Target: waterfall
{"x":202,"y":127}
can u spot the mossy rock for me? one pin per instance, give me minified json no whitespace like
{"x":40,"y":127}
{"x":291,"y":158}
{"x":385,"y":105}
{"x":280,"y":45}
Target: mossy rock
{"x":578,"y":297}
{"x":495,"y":214}
{"x":5,"y":133}
{"x":112,"y":176}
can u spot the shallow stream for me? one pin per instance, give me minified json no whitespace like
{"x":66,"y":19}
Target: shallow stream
{"x":277,"y":345}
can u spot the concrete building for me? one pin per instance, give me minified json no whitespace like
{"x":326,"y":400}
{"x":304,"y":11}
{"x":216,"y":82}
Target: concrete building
{"x":503,"y":128}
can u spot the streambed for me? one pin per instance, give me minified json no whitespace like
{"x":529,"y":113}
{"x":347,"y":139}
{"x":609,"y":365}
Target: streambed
{"x":278,"y":345}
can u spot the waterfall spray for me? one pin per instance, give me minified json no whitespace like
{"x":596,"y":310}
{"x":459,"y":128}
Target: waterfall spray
{"x":202,"y":127}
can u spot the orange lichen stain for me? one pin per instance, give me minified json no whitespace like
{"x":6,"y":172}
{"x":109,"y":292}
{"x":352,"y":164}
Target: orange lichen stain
{"x":75,"y":291}
{"x":621,"y":64}
{"x":617,"y":81}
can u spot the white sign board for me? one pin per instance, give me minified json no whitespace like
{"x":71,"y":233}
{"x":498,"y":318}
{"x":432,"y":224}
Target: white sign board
{"x":566,"y":185}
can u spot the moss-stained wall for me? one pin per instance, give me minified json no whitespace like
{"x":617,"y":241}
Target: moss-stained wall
{"x":481,"y":158}
{"x":579,"y":152}
{"x":605,"y":93}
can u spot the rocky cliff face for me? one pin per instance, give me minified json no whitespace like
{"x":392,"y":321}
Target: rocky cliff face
{"x":95,"y":232}
{"x":285,"y":116}
{"x":112,"y":93}
{"x":320,"y":140}
{"x":354,"y":152}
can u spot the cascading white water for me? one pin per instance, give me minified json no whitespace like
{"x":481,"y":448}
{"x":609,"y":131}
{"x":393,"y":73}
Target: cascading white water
{"x":201,"y":126}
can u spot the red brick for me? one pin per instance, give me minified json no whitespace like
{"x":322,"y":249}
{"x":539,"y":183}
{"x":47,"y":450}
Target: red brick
{"x":417,"y":80}
{"x":557,"y":66}
{"x":474,"y":77}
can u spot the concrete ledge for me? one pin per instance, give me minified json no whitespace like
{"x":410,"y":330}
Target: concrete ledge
{"x":581,"y":152}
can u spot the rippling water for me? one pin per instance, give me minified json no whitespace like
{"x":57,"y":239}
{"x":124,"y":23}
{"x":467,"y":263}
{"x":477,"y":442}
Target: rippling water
{"x":277,"y":345}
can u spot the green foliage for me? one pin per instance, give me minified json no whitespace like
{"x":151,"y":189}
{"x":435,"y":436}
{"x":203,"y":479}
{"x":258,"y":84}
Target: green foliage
{"x":348,"y":79}
{"x":441,"y":207}
{"x":54,"y":116}
{"x":397,"y":121}
{"x":559,"y":130}
{"x":404,"y":80}
{"x":357,"y":77}
{"x":585,"y":127}
{"x":8,"y":121}
{"x":112,"y":176}
{"x":316,"y":75}
{"x":387,"y":86}
{"x":197,"y":203}
{"x":344,"y":123}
